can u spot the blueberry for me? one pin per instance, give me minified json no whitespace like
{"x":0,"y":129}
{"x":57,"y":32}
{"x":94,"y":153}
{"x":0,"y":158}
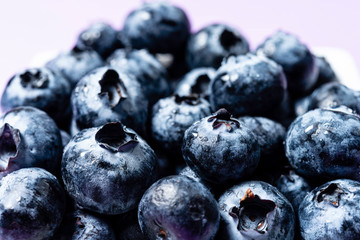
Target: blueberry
{"x":270,"y":136}
{"x":248,"y":85}
{"x":196,"y":81}
{"x":255,"y":210}
{"x":29,"y":138}
{"x":171,"y":116}
{"x":159,"y":27}
{"x":32,"y":204}
{"x":294,"y":187}
{"x":145,"y":68}
{"x":100,"y":37}
{"x":325,"y":143}
{"x":211,"y":44}
{"x":40,"y":88}
{"x":219,"y":148}
{"x":331,"y":211}
{"x":90,"y":226}
{"x":326,"y":72}
{"x":330,"y":95}
{"x":108,"y":168}
{"x":178,"y":207}
{"x":295,"y":58}
{"x":73,"y":65}
{"x":108,"y":95}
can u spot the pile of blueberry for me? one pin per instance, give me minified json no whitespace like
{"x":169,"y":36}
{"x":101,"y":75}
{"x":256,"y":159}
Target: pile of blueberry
{"x":154,"y":132}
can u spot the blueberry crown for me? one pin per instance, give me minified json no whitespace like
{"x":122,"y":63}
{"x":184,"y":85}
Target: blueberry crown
{"x":34,"y":79}
{"x":116,"y":138}
{"x":112,"y":88}
{"x":222,"y":116}
{"x":253,"y":212}
{"x":9,"y":144}
{"x":192,"y":99}
{"x":331,"y":194}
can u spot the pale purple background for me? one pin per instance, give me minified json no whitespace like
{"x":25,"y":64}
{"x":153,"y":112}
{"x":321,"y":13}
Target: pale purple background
{"x":30,"y":27}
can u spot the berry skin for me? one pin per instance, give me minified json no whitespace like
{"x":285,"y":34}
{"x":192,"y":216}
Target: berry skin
{"x":40,"y":88}
{"x":171,"y":117}
{"x":295,"y":58}
{"x":255,"y":210}
{"x":32,"y":205}
{"x":324,"y":143}
{"x":108,"y":168}
{"x":101,"y":38}
{"x":270,"y":136}
{"x":29,"y":138}
{"x":219,"y":148}
{"x":159,"y":27}
{"x":178,"y":208}
{"x":331,"y":211}
{"x":109,"y":95}
{"x":248,"y":85}
{"x":294,"y":187}
{"x":75,"y":64}
{"x":211,"y":44}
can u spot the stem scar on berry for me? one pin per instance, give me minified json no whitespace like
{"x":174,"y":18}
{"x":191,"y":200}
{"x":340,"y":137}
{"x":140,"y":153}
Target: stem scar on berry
{"x":9,"y":143}
{"x":222,"y":116}
{"x":331,"y":194}
{"x":253,"y":212}
{"x":112,"y":88}
{"x":114,"y":137}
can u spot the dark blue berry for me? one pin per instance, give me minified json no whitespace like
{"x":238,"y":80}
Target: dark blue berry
{"x":108,"y":168}
{"x":211,"y":44}
{"x":159,"y":27}
{"x":330,"y":95}
{"x":248,"y":84}
{"x":294,"y":187}
{"x":100,"y":37}
{"x":178,"y":208}
{"x":32,"y":205}
{"x":270,"y":136}
{"x":295,"y":58}
{"x":108,"y":95}
{"x":325,"y":143}
{"x":219,"y":148}
{"x":331,"y":211}
{"x":255,"y":210}
{"x":29,"y":138}
{"x":40,"y":88}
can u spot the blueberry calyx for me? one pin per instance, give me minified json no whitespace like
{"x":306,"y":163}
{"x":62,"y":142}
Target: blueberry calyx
{"x":192,"y":99}
{"x":114,"y":137}
{"x":253,"y":212}
{"x":331,"y":194}
{"x":222,"y":116}
{"x":34,"y":79}
{"x":201,"y":85}
{"x":112,"y":88}
{"x":228,"y":39}
{"x":9,"y":143}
